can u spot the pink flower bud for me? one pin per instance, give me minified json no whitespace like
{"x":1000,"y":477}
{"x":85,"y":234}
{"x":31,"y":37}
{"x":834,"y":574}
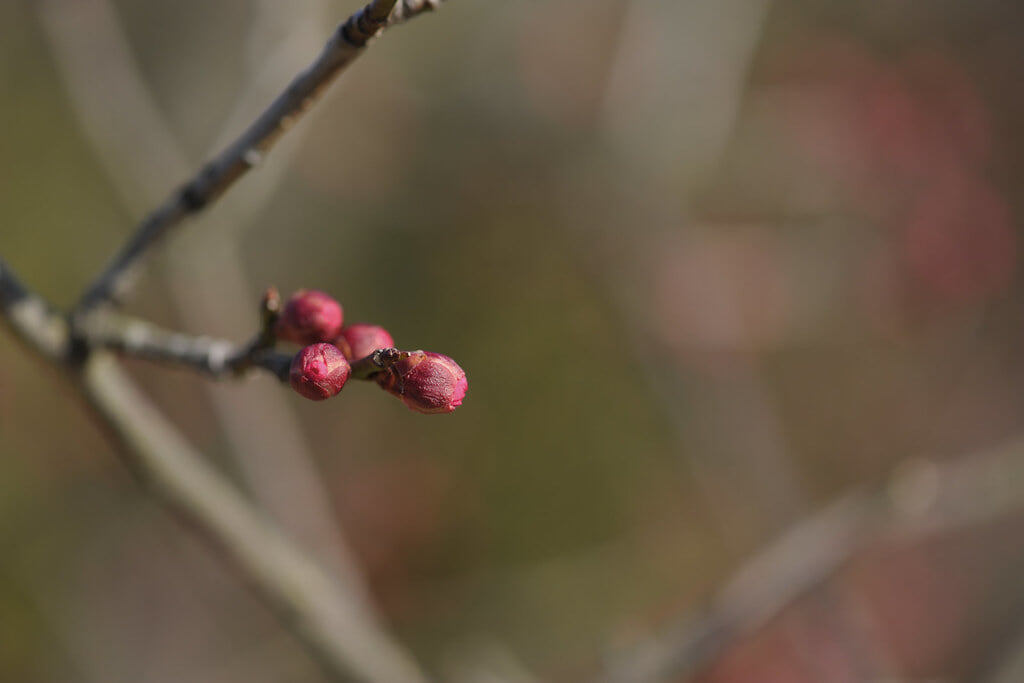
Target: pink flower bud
{"x":427,"y":382}
{"x":309,"y":316}
{"x":360,"y":340}
{"x":319,"y":371}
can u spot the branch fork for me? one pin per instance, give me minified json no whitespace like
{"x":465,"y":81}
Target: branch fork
{"x":333,"y":624}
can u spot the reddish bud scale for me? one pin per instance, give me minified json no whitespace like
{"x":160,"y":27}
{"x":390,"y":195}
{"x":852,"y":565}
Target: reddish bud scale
{"x":426,"y":382}
{"x":319,"y":371}
{"x":360,"y":340}
{"x":309,"y":316}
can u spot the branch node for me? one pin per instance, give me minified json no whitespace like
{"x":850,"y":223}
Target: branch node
{"x":192,"y":198}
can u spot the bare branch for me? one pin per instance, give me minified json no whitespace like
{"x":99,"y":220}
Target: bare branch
{"x":919,"y":500}
{"x":247,"y":150}
{"x":792,"y":566}
{"x":87,"y":66}
{"x":214,"y":357}
{"x":407,"y":9}
{"x":31,"y":318}
{"x":139,"y":150}
{"x":329,"y":619}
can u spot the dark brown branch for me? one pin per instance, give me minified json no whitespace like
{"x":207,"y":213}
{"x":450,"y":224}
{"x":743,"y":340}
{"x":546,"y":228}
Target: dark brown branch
{"x":137,"y":338}
{"x":213,"y":357}
{"x":221,"y":172}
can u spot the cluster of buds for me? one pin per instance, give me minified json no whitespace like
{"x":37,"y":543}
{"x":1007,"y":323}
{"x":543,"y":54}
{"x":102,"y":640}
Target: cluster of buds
{"x":332,"y":352}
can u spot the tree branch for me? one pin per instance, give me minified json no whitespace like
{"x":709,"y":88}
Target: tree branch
{"x":338,"y":627}
{"x":329,"y":620}
{"x":407,"y":9}
{"x":139,"y":150}
{"x":31,"y":318}
{"x":919,"y":500}
{"x":214,"y":357}
{"x":221,"y":172}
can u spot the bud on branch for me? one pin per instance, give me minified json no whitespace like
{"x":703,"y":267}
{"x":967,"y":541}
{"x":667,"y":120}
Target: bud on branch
{"x":308,"y":317}
{"x":319,"y":371}
{"x":425,"y":381}
{"x":361,"y":339}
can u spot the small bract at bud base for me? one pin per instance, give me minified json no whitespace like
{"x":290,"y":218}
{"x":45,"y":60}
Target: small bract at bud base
{"x":426,"y":382}
{"x":309,"y":316}
{"x":361,"y":339}
{"x":319,"y":371}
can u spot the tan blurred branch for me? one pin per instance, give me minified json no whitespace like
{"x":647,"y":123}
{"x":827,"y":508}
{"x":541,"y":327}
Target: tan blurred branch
{"x":307,"y":600}
{"x":34,"y":322}
{"x":920,"y":499}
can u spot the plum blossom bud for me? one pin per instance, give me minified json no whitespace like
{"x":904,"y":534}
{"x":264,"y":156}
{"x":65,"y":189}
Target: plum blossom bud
{"x":319,"y":371}
{"x":309,"y":316}
{"x":360,"y":340}
{"x":426,"y":382}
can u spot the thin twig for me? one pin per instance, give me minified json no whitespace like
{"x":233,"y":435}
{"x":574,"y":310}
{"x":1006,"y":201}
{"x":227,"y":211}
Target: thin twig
{"x":137,"y":338}
{"x":220,"y":173}
{"x":207,"y":355}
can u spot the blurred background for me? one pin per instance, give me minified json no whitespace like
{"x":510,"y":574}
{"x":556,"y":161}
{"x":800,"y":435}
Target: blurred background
{"x":709,"y":267}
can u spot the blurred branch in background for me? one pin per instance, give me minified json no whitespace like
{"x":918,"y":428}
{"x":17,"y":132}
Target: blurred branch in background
{"x":340,"y":631}
{"x":31,"y":318}
{"x":921,"y":499}
{"x":709,"y":377}
{"x":1008,"y":665}
{"x":721,"y":458}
